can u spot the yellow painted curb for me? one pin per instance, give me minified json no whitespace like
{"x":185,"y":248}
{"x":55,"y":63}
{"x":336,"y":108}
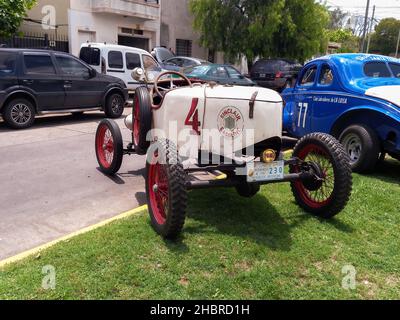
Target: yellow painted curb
{"x":37,"y":250}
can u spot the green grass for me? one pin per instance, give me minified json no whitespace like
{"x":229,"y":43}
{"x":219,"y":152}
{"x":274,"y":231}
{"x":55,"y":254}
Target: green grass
{"x":232,"y":248}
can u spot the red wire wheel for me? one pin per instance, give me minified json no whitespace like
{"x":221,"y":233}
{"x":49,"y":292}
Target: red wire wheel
{"x":327,"y":193}
{"x":142,"y":116}
{"x":109,"y":147}
{"x":166,"y":190}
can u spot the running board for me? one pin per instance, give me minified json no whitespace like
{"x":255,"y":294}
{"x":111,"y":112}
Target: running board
{"x":70,"y":110}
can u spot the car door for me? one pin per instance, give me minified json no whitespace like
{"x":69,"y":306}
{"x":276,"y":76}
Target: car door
{"x":303,"y":101}
{"x":41,"y":77}
{"x":8,"y":73}
{"x":133,"y":61}
{"x":328,"y":99}
{"x":81,"y":89}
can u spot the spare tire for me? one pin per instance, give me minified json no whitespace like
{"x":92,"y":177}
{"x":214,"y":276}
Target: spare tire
{"x":141,"y":120}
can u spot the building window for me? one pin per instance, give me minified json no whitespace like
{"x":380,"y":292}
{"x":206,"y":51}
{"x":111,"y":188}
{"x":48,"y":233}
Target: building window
{"x":183,"y":48}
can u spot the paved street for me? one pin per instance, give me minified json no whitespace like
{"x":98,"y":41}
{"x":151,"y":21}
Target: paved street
{"x":50,"y":185}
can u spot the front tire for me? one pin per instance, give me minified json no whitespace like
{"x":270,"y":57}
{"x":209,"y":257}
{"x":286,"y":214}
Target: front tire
{"x":166,"y":189}
{"x":362,"y":145}
{"x":142,"y":116}
{"x":109,"y":147}
{"x":19,"y":114}
{"x":114,"y":107}
{"x":329,"y":191}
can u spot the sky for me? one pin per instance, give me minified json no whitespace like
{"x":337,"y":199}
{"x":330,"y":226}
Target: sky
{"x":384,"y":8}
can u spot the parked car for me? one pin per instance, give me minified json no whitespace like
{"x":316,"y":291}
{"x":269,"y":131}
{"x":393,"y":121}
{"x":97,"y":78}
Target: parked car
{"x":119,"y":61}
{"x":277,"y":74}
{"x":162,"y":54}
{"x":36,"y":82}
{"x":219,"y":73}
{"x":184,"y":62}
{"x":320,"y":173}
{"x":355,"y":97}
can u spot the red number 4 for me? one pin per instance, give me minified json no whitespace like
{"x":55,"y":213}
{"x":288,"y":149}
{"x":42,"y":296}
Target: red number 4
{"x":193,"y":117}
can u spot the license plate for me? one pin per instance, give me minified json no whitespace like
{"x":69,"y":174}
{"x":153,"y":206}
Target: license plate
{"x":262,"y":75}
{"x":260,"y":172}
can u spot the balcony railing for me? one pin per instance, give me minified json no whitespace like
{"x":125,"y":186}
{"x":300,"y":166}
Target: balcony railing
{"x":145,"y":9}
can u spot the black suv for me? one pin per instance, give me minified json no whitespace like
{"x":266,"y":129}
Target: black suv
{"x":35,"y":82}
{"x":277,"y":74}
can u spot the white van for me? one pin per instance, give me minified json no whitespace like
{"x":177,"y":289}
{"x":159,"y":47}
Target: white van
{"x":119,"y":61}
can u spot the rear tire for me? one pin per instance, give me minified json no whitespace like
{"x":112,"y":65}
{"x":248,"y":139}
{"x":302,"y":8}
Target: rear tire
{"x":166,"y":189}
{"x":327,"y":196}
{"x":109,"y":147}
{"x":142,"y":115}
{"x":362,"y":145}
{"x":19,"y":114}
{"x":114,"y":107}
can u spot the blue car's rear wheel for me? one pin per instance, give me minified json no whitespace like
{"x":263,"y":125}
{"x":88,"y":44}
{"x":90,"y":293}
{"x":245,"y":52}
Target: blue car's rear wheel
{"x":362,"y":145}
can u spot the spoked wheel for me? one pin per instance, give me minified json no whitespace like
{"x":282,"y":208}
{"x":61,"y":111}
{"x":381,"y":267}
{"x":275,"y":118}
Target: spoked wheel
{"x":109,"y":147}
{"x":141,"y":120}
{"x":327,"y":193}
{"x":166,"y":190}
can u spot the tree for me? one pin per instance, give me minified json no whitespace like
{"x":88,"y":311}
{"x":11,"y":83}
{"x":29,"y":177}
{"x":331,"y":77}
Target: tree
{"x":285,"y":28}
{"x":337,"y":18}
{"x":350,"y":42}
{"x":12,"y":13}
{"x":384,"y":40}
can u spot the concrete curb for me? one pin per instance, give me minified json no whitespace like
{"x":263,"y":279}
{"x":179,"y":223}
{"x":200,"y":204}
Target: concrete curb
{"x":37,"y":250}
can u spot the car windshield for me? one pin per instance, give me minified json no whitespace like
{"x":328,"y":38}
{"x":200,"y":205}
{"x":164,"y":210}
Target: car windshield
{"x":197,"y":70}
{"x":164,"y":54}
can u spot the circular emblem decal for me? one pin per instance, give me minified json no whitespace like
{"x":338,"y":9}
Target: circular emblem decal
{"x":230,"y":122}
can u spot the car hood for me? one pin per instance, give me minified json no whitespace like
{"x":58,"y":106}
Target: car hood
{"x":389,"y":93}
{"x":242,"y":93}
{"x":109,"y":78}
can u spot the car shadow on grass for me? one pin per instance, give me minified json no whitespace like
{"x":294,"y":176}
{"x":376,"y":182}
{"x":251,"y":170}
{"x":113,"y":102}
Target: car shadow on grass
{"x":224,"y":212}
{"x":388,"y":171}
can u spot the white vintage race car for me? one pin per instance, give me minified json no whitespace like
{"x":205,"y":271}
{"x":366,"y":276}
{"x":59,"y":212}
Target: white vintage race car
{"x":192,"y":130}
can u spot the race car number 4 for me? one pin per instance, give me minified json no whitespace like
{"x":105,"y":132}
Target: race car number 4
{"x":259,"y":171}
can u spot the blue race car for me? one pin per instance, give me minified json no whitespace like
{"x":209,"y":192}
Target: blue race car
{"x":354,"y":97}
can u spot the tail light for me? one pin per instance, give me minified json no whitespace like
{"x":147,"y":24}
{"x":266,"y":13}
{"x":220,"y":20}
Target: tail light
{"x":279,"y":75}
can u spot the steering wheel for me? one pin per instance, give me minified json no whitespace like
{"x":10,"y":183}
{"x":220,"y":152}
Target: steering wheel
{"x":160,"y":91}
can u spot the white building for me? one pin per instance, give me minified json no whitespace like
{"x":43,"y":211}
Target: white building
{"x":126,"y":22}
{"x":137,"y":23}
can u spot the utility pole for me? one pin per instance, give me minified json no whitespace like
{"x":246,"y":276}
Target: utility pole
{"x":370,"y":29}
{"x":398,"y":43}
{"x":365,"y":27}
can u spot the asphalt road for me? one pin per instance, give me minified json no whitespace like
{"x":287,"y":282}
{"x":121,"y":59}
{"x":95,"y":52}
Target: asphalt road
{"x":50,"y":185}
